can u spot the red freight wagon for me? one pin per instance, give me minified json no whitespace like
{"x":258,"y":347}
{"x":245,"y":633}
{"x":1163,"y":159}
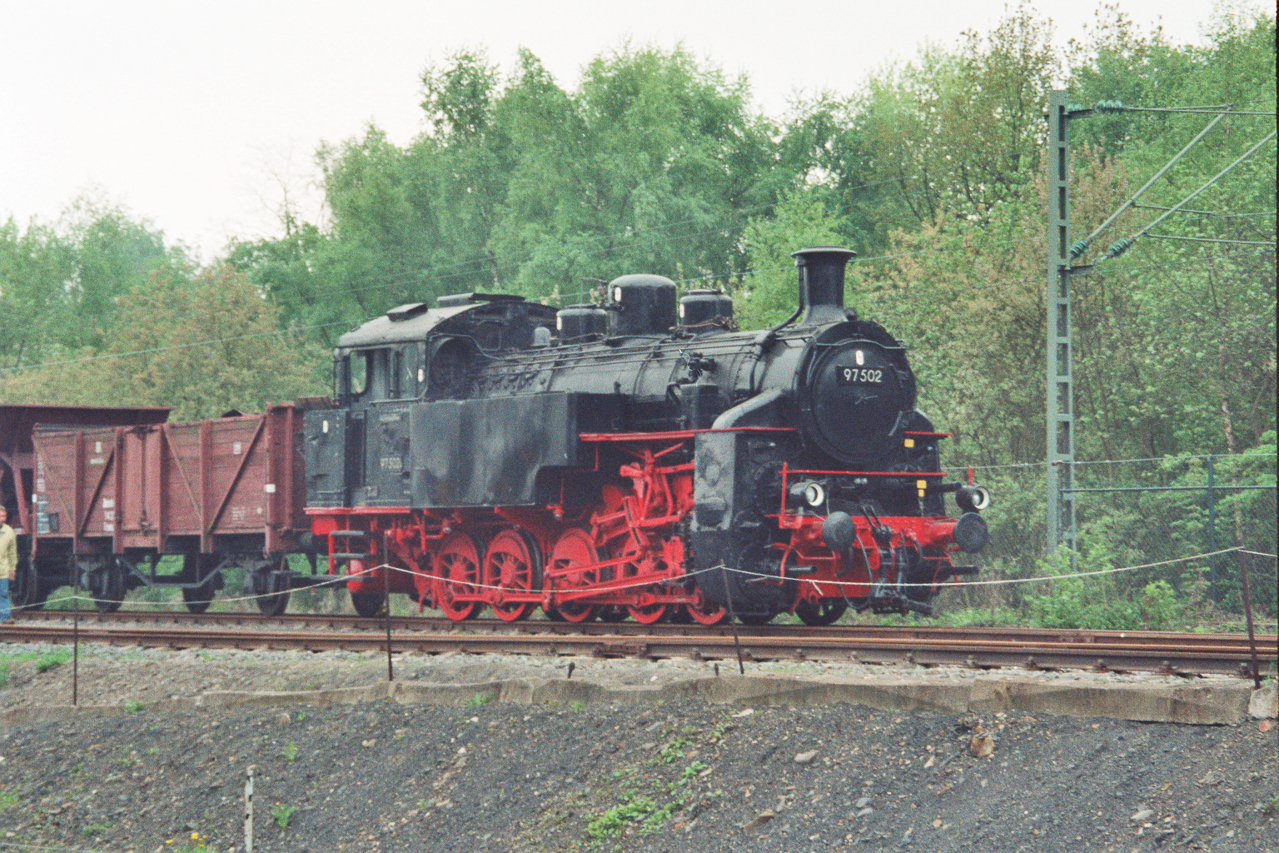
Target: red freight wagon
{"x":18,"y":423}
{"x":219,"y":493}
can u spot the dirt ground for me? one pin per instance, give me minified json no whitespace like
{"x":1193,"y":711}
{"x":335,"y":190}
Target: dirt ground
{"x":680,"y":776}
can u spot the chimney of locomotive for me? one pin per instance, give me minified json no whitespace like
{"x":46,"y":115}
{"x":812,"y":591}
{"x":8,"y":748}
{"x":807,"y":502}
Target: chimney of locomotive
{"x":821,"y":283}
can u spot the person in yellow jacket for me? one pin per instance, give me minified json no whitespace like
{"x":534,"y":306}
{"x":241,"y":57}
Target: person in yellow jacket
{"x":8,"y":562}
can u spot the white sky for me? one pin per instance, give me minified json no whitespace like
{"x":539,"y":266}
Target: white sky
{"x":193,"y":114}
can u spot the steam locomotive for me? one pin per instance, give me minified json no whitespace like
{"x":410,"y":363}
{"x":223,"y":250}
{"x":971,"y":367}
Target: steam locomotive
{"x":637,"y":458}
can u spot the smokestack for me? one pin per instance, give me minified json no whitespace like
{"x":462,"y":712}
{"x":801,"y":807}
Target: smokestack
{"x":821,"y":283}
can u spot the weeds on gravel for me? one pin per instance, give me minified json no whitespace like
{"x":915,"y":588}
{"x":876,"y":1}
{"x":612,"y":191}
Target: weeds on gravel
{"x":53,"y":660}
{"x":4,"y":673}
{"x":289,"y":752}
{"x":642,"y":813}
{"x":197,"y":843}
{"x":633,"y":810}
{"x":9,"y":799}
{"x":673,"y":750}
{"x":282,"y":813}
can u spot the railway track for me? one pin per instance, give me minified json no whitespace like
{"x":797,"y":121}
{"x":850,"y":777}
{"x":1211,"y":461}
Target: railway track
{"x":979,"y":648}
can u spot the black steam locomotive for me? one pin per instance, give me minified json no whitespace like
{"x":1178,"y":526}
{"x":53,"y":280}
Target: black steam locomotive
{"x":635,"y":458}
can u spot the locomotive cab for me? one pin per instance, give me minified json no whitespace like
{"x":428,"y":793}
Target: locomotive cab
{"x":387,"y":367}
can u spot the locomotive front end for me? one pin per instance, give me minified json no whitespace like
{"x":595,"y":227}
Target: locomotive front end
{"x":844,"y":504}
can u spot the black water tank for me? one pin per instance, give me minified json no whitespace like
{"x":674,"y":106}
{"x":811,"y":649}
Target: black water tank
{"x":702,"y":311}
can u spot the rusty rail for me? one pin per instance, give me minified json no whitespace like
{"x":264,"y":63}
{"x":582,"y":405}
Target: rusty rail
{"x":980,"y":648}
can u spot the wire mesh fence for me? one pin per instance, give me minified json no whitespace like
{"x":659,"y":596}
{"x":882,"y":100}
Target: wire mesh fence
{"x":1187,"y":527}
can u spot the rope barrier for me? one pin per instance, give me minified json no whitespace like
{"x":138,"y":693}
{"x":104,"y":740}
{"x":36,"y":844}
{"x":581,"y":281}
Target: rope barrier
{"x":622,"y":585}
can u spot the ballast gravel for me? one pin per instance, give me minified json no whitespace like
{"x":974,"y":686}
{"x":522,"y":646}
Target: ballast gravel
{"x":684,"y":776}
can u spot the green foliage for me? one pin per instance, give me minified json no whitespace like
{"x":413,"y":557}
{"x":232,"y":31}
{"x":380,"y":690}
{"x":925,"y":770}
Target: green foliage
{"x":799,"y":220}
{"x":673,"y":750}
{"x":201,"y":346}
{"x":1101,"y":601}
{"x":633,"y":811}
{"x":289,"y":752}
{"x":61,"y":285}
{"x":282,"y":814}
{"x":52,"y":660}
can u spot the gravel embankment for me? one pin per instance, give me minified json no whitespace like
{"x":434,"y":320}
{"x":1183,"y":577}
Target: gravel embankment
{"x":680,"y":776}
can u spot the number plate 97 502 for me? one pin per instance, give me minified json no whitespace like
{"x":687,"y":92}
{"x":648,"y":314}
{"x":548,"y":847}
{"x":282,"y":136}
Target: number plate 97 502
{"x":860,"y":376}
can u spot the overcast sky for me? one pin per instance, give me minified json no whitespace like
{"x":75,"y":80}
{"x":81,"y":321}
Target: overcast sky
{"x":193,"y":113}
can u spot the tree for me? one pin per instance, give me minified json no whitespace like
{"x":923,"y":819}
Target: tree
{"x":201,"y":347}
{"x":114,"y":254}
{"x":35,"y":265}
{"x":770,"y":294}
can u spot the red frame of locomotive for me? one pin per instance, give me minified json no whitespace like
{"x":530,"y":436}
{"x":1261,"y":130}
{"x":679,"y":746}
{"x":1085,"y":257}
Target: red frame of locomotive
{"x":623,"y":554}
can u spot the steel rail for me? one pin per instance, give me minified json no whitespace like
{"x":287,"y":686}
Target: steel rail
{"x":979,"y":648}
{"x":1091,"y":637}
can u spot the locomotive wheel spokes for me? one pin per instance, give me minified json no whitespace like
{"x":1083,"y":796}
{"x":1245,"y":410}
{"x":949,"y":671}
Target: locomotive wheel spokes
{"x":574,"y":548}
{"x":636,"y":564}
{"x":576,"y":612}
{"x":511,"y":565}
{"x":648,"y":614}
{"x":703,"y":612}
{"x":825,"y":612}
{"x":458,"y":571}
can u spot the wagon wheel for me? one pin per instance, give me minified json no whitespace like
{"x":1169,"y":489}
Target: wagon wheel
{"x":824,"y":612}
{"x":458,"y":573}
{"x":106,"y":585}
{"x":25,"y":589}
{"x":575,"y":548}
{"x":198,"y":598}
{"x":511,"y":564}
{"x":271,"y":585}
{"x":703,"y":612}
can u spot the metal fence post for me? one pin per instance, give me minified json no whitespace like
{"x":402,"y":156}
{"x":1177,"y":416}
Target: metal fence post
{"x":1213,"y":592}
